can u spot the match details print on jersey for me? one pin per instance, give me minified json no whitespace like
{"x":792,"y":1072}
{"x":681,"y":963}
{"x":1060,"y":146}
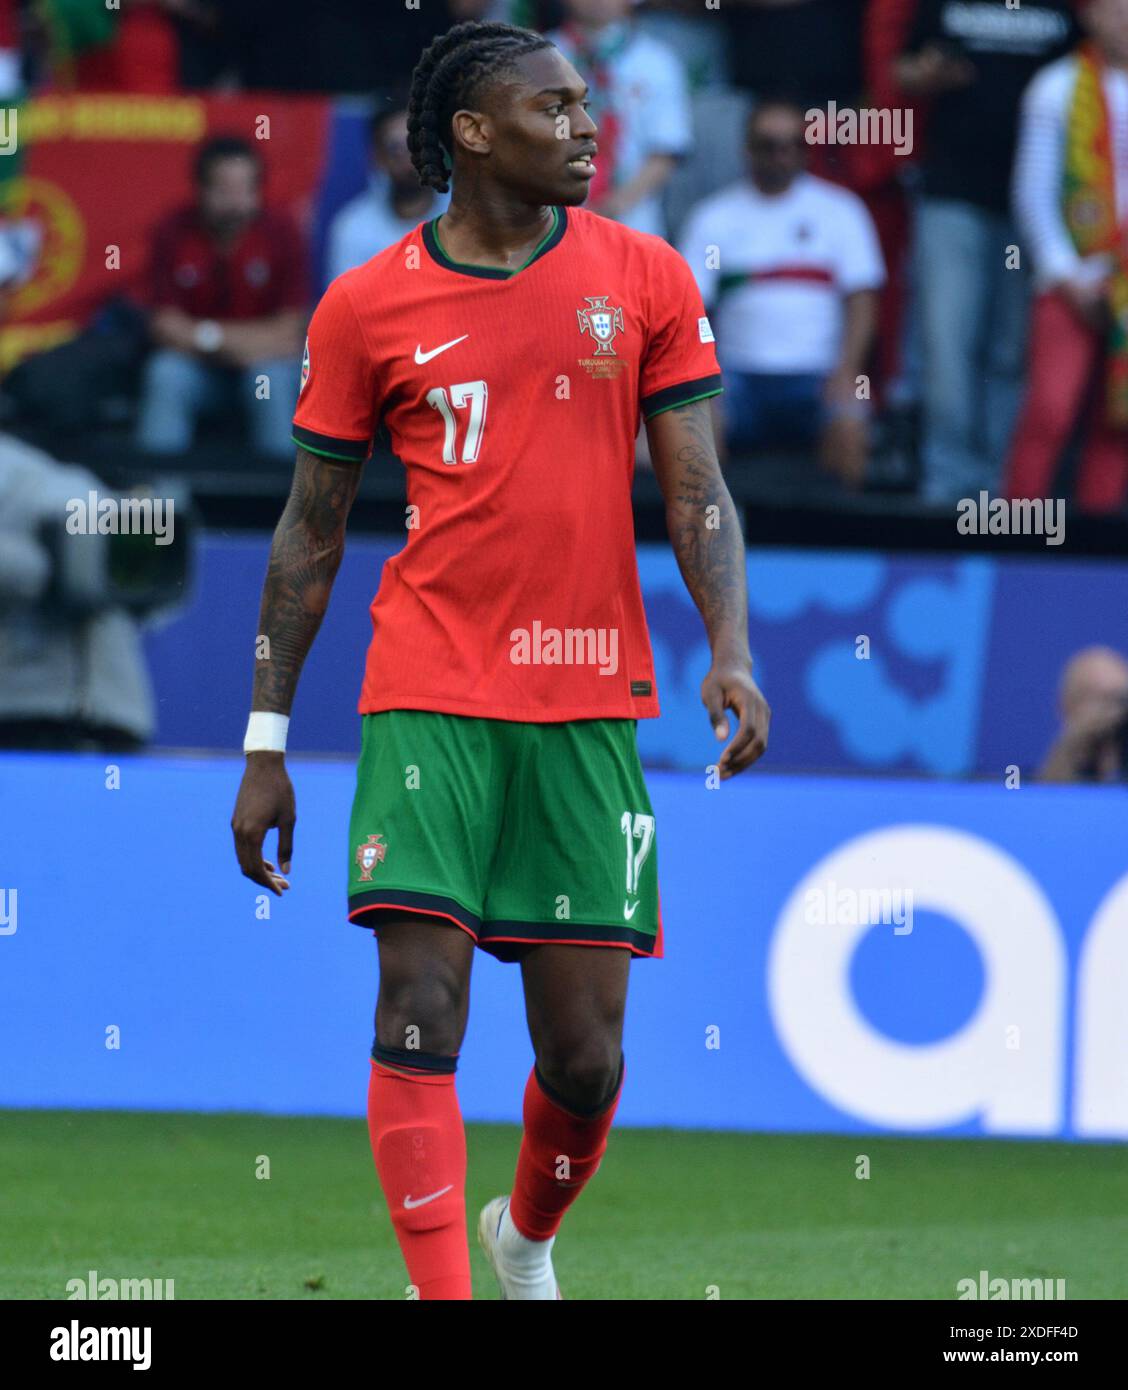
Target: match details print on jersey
{"x":513,"y":400}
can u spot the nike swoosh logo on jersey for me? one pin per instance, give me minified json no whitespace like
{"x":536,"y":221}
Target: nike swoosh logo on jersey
{"x":628,"y":911}
{"x":421,"y":356}
{"x":410,"y":1203}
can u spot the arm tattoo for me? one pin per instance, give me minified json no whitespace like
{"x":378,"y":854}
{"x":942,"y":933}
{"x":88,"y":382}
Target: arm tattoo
{"x":702,"y":521}
{"x":304,"y":558}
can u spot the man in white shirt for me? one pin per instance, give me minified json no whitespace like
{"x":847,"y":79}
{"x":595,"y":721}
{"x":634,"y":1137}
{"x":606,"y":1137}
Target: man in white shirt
{"x":792,"y":267}
{"x":393,"y":204}
{"x":639,"y":98}
{"x":1073,"y":158}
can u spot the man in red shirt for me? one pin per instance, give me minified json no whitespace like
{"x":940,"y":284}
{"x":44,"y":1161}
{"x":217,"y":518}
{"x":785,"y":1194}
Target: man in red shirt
{"x":228,"y":292}
{"x":508,"y":347}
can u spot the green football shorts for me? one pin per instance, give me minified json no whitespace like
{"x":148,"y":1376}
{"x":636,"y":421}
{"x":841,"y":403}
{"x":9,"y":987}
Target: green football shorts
{"x":517,"y":833}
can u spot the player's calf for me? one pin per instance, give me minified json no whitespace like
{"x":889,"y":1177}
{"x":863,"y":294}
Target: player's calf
{"x":561,"y":1149}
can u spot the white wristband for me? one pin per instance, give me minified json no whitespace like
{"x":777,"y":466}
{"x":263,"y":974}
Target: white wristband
{"x":266,"y":733}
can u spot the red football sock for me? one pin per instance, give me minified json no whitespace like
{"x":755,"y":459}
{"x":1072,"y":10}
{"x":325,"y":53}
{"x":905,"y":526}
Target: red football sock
{"x":419,"y":1145}
{"x":545,"y":1186}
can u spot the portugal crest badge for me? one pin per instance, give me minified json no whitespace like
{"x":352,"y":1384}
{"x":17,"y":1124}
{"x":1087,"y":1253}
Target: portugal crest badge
{"x":369,"y":855}
{"x":602,"y":321}
{"x":305,"y":368}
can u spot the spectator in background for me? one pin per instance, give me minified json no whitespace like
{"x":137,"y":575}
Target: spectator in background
{"x":1093,"y":702}
{"x":1071,"y":197}
{"x":130,"y":46}
{"x":692,"y":30}
{"x":884,"y":176}
{"x":228,"y":309}
{"x":640,"y":102}
{"x":971,"y":61}
{"x":393,"y":204}
{"x":792,"y":265}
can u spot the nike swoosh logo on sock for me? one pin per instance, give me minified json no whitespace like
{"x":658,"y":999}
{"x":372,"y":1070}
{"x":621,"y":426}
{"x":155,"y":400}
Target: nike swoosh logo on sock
{"x":410,"y":1203}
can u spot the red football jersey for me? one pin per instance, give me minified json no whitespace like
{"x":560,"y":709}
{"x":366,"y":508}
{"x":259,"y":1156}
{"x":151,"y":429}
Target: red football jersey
{"x":513,"y":400}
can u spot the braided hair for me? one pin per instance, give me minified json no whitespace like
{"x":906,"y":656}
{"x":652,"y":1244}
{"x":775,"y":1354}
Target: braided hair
{"x":449,"y":76}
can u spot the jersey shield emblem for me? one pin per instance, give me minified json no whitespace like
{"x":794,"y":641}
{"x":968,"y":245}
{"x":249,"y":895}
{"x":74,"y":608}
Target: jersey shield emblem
{"x":602,"y":321}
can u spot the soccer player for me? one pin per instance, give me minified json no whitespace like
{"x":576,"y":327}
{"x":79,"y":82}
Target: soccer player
{"x":508,"y":347}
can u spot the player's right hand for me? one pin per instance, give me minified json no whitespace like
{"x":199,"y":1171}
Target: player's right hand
{"x":265,"y":802}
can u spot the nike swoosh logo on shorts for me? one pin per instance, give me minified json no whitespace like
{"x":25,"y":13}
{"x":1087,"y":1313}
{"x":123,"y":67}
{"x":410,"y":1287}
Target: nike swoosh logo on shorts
{"x":410,"y":1203}
{"x":628,"y":911}
{"x":421,"y":356}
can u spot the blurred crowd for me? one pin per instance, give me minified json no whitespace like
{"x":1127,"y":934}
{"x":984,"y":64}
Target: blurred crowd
{"x":906,"y":217}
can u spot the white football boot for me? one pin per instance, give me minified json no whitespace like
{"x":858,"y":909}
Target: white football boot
{"x":523,"y":1267}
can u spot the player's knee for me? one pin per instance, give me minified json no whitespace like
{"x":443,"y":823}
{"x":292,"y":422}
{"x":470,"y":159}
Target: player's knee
{"x":422,"y":1012}
{"x":584,"y":1076}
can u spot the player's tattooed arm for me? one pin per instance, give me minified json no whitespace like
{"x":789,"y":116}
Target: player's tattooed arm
{"x":705,"y":533}
{"x":304,"y":558}
{"x":305,"y":555}
{"x":702,"y":521}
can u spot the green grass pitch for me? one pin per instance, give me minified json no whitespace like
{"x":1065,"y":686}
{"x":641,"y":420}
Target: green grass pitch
{"x":670,"y":1214}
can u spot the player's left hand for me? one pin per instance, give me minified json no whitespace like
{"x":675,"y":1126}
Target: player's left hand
{"x":729,"y":685}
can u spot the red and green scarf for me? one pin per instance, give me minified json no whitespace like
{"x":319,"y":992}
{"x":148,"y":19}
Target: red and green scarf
{"x":1089,"y":205}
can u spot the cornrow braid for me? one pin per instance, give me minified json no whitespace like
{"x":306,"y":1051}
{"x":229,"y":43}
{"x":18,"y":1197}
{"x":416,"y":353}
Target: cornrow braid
{"x":447,"y":77}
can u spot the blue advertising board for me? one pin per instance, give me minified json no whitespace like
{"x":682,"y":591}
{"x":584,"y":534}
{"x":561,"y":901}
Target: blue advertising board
{"x":841,"y":955}
{"x":937,"y":665}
